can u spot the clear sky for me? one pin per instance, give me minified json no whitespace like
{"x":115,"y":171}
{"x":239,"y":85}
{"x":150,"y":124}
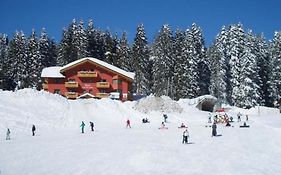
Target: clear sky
{"x":124,"y":15}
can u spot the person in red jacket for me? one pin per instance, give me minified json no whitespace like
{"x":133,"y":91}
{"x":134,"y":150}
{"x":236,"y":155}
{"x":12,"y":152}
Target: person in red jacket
{"x":128,"y":123}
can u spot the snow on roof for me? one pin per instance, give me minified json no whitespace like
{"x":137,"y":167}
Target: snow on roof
{"x":52,"y":72}
{"x":130,"y":75}
{"x":86,"y":95}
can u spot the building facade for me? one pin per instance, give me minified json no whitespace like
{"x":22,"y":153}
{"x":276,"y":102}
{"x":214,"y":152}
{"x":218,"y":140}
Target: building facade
{"x":88,"y":77}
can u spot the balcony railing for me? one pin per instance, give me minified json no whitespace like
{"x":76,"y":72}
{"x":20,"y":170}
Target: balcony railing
{"x":71,"y":84}
{"x":103,"y":85}
{"x":102,"y":95}
{"x":87,"y":74}
{"x":45,"y":86}
{"x":71,"y":95}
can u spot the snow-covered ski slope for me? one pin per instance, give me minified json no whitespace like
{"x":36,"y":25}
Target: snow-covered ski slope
{"x":60,"y":149}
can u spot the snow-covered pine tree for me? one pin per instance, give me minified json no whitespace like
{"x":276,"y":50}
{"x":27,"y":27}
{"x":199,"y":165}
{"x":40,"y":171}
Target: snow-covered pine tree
{"x":262,"y":55}
{"x":47,"y":49}
{"x":203,"y":62}
{"x":275,"y":64}
{"x":218,"y":71}
{"x":110,"y":44}
{"x":141,"y":63}
{"x":124,"y":54}
{"x":3,"y":57}
{"x":95,"y":46}
{"x":163,"y":66}
{"x":180,"y":79}
{"x":249,"y":96}
{"x":193,"y":56}
{"x":33,"y":63}
{"x":16,"y":62}
{"x":73,"y":45}
{"x":80,"y":40}
{"x":236,"y":45}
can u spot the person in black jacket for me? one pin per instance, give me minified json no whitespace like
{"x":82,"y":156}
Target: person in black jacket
{"x":214,"y":129}
{"x":92,"y":126}
{"x":33,"y":130}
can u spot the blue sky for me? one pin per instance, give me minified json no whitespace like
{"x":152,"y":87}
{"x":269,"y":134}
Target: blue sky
{"x":125,"y":15}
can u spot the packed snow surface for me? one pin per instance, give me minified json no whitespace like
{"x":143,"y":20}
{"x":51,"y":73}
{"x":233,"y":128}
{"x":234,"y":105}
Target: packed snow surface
{"x":59,"y":147}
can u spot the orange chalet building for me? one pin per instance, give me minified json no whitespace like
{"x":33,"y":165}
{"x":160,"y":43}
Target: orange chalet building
{"x":88,"y":78}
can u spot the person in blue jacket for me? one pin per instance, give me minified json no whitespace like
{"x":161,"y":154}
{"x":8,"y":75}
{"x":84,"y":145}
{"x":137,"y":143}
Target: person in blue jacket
{"x":82,"y":126}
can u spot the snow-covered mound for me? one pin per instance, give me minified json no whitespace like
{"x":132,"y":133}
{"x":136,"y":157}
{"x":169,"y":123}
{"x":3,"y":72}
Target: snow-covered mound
{"x":163,"y":104}
{"x":20,"y":109}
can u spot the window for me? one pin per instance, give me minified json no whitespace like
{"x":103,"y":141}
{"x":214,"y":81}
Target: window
{"x":117,"y":81}
{"x":57,"y":91}
{"x":72,"y":90}
{"x":71,"y":80}
{"x":103,"y":80}
{"x":102,"y":91}
{"x":91,"y":91}
{"x":84,"y":91}
{"x":57,"y":80}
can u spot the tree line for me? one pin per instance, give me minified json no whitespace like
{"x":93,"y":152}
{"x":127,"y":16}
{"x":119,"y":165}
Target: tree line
{"x":239,"y":68}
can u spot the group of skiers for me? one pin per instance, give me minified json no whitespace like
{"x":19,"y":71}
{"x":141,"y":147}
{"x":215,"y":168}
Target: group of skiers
{"x":8,"y":133}
{"x":83,"y":126}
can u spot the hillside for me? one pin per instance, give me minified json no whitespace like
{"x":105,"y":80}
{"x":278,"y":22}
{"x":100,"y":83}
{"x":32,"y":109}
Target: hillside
{"x":60,"y":148}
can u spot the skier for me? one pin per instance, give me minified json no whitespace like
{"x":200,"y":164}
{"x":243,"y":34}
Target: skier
{"x":82,"y":126}
{"x":8,"y":134}
{"x":182,"y":125}
{"x":185,"y":136}
{"x":239,"y":117}
{"x":165,"y":117}
{"x":210,"y":118}
{"x":128,"y":123}
{"x":247,"y":117}
{"x":33,"y":130}
{"x":214,"y":129}
{"x":92,"y":126}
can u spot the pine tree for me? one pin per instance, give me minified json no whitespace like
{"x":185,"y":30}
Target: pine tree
{"x":124,"y":54}
{"x":47,"y":50}
{"x":141,"y":62}
{"x":203,"y":62}
{"x":16,"y":62}
{"x":33,"y":63}
{"x":181,"y":65}
{"x":193,"y":57}
{"x":110,"y":44}
{"x":275,"y":64}
{"x":73,"y":45}
{"x":163,"y":66}
{"x":95,"y":46}
{"x":3,"y":57}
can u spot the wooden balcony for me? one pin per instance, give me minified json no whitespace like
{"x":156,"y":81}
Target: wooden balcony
{"x":45,"y":86}
{"x":87,"y":74}
{"x":102,"y":95}
{"x":71,"y":95}
{"x":103,"y":85}
{"x":71,"y":84}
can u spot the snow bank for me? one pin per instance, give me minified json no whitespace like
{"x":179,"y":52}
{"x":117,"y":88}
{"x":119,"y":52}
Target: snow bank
{"x":163,"y":104}
{"x":22,"y":108}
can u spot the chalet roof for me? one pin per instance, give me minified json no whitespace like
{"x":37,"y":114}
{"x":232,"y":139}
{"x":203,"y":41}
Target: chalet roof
{"x":129,"y":75}
{"x":52,"y":72}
